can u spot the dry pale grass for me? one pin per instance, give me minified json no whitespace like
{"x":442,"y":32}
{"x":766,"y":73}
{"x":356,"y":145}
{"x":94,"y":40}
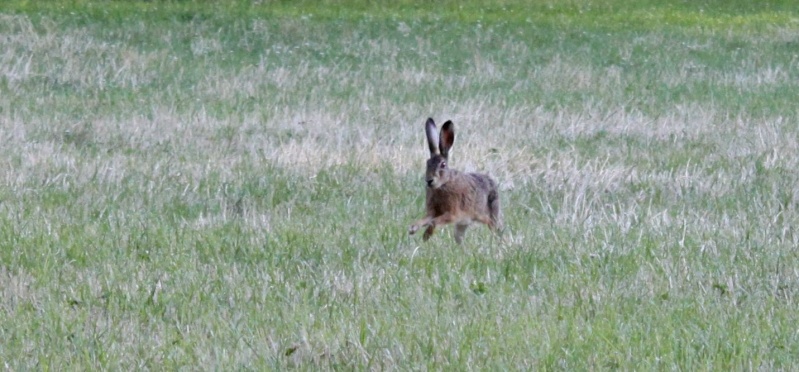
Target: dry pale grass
{"x":367,"y":129}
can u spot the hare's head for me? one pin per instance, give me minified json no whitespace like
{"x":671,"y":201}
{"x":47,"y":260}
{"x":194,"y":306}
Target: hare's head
{"x":438,"y":172}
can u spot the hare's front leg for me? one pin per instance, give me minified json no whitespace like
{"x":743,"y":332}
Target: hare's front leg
{"x":419,"y":224}
{"x":431,"y":224}
{"x":429,"y":232}
{"x":439,"y":220}
{"x":460,"y":229}
{"x":443,"y":219}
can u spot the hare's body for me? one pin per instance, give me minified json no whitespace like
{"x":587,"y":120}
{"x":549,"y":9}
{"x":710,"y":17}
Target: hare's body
{"x":452,"y":196}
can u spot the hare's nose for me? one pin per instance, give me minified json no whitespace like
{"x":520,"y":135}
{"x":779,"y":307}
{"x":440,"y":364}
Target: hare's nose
{"x":430,"y":183}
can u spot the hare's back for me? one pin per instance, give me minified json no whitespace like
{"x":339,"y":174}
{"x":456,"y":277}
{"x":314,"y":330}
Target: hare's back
{"x":482,"y":182}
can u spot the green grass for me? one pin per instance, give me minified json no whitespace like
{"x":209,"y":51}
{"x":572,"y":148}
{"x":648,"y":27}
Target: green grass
{"x":228,"y":185}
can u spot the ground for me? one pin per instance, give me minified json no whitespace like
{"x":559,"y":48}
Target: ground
{"x":226,"y":185}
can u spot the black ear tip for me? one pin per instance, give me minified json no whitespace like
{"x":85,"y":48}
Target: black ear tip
{"x":448,"y":125}
{"x":430,"y":122}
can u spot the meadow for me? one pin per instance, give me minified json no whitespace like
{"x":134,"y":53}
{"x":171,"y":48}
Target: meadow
{"x":228,"y":185}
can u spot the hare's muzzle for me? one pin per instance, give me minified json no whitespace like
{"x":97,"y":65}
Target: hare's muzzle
{"x":430,"y":182}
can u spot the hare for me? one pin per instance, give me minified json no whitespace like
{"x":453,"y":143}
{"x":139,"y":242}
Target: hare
{"x":453,"y":196}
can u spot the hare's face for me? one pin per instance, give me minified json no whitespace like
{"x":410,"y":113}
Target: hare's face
{"x":436,"y":174}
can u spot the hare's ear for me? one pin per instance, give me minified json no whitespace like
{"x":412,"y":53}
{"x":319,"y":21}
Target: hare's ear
{"x":432,"y":136}
{"x":447,"y":138}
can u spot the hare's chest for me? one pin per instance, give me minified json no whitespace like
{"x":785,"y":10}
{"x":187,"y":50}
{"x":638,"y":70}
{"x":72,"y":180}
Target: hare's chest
{"x":441,"y":201}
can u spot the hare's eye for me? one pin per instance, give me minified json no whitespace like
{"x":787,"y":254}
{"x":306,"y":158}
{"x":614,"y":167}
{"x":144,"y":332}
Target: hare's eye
{"x":443,"y":165}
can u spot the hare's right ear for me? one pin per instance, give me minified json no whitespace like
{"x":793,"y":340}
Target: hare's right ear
{"x":432,"y":136}
{"x":447,"y":138}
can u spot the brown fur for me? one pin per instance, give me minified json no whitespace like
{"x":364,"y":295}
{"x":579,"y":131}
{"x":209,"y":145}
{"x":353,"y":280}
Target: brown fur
{"x":452,"y":196}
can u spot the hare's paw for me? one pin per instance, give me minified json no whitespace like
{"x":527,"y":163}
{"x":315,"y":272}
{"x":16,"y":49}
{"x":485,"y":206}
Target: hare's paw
{"x":413,"y":229}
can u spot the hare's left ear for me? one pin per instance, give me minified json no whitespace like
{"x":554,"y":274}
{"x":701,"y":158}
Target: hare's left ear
{"x":447,"y":138}
{"x":432,"y":136}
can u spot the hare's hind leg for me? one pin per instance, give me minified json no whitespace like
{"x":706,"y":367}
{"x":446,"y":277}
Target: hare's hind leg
{"x":495,"y":213}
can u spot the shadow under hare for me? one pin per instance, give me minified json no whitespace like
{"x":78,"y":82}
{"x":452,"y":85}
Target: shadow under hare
{"x":452,"y":196}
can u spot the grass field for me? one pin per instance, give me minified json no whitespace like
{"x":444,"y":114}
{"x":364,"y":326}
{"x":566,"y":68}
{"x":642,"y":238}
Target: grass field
{"x":228,"y":186}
